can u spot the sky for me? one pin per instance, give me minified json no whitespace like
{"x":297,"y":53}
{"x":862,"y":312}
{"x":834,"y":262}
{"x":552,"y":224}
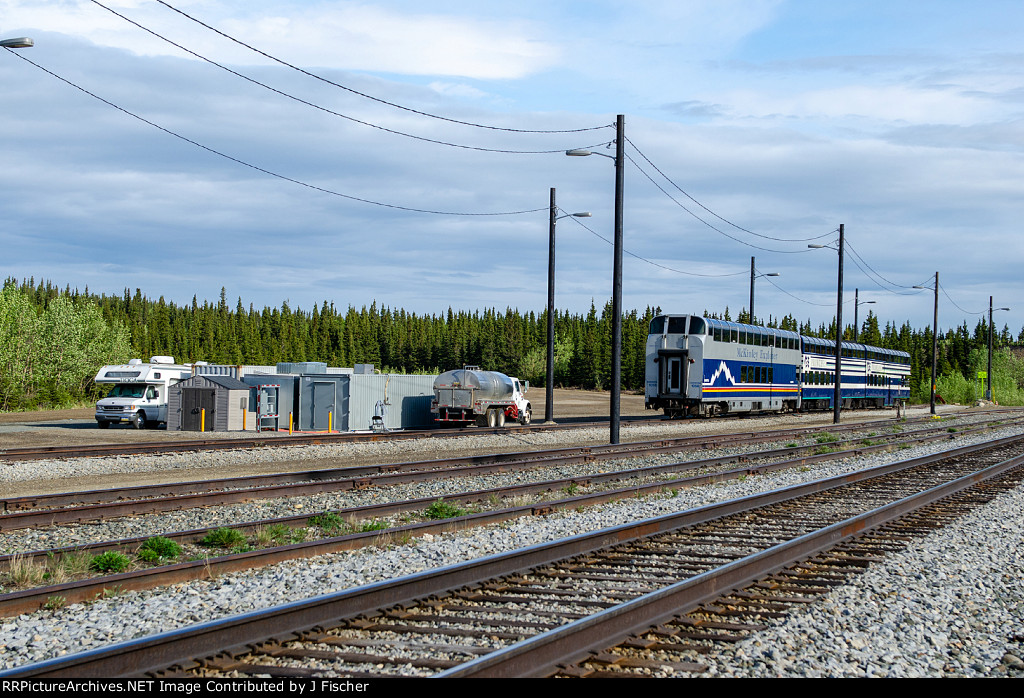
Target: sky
{"x":403,"y":153}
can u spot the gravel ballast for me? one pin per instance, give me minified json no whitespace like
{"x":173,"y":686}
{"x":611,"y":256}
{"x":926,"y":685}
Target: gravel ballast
{"x":949,"y":605}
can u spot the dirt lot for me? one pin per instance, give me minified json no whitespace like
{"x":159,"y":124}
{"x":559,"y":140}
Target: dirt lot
{"x":77,"y":426}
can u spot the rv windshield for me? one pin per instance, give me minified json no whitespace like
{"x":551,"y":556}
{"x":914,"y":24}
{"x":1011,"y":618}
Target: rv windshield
{"x":132,"y":390}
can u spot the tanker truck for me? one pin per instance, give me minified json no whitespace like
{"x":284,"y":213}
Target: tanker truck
{"x":487,"y":398}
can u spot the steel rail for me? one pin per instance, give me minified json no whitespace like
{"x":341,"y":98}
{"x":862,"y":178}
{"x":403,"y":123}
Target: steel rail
{"x":25,"y":601}
{"x":282,"y":440}
{"x":238,"y":634}
{"x":543,"y":654}
{"x":116,"y":502}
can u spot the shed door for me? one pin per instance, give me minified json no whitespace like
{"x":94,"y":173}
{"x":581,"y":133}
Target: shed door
{"x":193,"y":402}
{"x":323,"y":404}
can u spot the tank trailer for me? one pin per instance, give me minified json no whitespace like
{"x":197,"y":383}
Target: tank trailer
{"x":486,"y":398}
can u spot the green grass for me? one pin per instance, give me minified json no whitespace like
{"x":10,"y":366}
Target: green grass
{"x":158,"y":549}
{"x":329,"y":521}
{"x":443,"y":510}
{"x":110,"y":562}
{"x":826,"y":438}
{"x":226,"y":538}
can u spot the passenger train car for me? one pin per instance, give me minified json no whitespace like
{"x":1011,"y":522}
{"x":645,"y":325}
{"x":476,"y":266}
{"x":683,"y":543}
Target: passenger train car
{"x":702,"y":366}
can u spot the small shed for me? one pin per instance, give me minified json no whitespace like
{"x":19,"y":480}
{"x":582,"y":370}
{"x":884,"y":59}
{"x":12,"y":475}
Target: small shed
{"x":216,"y":403}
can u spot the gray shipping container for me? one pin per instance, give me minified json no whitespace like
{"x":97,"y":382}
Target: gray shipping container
{"x":283,"y":397}
{"x":408,"y":397}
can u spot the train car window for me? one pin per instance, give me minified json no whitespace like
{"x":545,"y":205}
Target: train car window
{"x":677,"y":325}
{"x":771,"y":373}
{"x":658,"y":325}
{"x":743,"y":374}
{"x":696,"y":325}
{"x":735,"y":336}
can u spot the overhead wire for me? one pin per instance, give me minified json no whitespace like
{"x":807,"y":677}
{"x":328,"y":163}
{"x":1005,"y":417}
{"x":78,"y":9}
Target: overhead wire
{"x":322,"y":108}
{"x":708,"y":223}
{"x":962,"y":310}
{"x":724,"y":220}
{"x":365,"y":95}
{"x":644,"y":259}
{"x":263,"y":170}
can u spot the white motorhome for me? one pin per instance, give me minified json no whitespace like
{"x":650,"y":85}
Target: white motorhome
{"x":139,"y":395}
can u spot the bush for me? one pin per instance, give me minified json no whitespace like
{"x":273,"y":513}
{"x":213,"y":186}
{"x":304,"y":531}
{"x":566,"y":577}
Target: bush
{"x":443,"y":510}
{"x":328,"y":521}
{"x":158,"y":548}
{"x":110,"y":562}
{"x":224,"y":538}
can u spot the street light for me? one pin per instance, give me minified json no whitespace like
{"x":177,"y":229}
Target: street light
{"x":836,"y":397}
{"x":991,"y":331}
{"x":753,"y":276}
{"x":620,"y":138}
{"x":856,"y":305}
{"x":935,"y":338}
{"x":20,"y":42}
{"x":549,"y":390}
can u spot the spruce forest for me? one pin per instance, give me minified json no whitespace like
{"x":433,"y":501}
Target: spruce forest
{"x":53,"y":341}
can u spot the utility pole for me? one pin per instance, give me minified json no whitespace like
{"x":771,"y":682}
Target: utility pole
{"x":837,"y":399}
{"x":549,"y":383}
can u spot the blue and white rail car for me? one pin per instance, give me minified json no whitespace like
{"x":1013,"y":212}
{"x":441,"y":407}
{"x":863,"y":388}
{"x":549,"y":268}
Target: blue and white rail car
{"x":701,"y":366}
{"x":872,"y":376}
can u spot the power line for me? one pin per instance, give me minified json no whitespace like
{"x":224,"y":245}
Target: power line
{"x":821,"y":305}
{"x":969,"y":312}
{"x":262,"y":169}
{"x":870,"y":271}
{"x":580,"y":223}
{"x":317,"y":106}
{"x":707,"y":223}
{"x":724,"y":220}
{"x":363,"y":94}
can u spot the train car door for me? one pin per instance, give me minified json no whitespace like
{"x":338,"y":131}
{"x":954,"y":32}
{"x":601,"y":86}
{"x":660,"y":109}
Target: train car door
{"x":673,"y":373}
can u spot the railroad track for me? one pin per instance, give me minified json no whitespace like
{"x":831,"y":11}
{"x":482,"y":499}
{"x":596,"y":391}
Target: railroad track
{"x":83,"y":506}
{"x":578,"y":606}
{"x":280,"y":440}
{"x":283,"y":439}
{"x":643,"y":481}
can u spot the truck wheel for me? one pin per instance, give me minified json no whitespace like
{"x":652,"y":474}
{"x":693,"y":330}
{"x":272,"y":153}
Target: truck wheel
{"x":102,"y":423}
{"x":492,"y":419}
{"x":525,"y":417}
{"x":139,"y":420}
{"x":500,"y":416}
{"x":481,"y":421}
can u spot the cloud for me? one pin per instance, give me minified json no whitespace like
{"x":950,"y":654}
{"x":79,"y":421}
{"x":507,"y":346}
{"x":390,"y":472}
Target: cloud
{"x":342,"y":35}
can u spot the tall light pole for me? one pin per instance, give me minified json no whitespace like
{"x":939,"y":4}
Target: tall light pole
{"x":991,"y":331}
{"x":549,"y":388}
{"x":614,"y":409}
{"x":857,"y":304}
{"x":935,"y":339}
{"x":837,"y":395}
{"x":754,"y":275}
